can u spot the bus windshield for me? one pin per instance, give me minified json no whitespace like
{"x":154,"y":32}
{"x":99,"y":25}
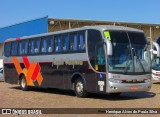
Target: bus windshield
{"x":130,"y":53}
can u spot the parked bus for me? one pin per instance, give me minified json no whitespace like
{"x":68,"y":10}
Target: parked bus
{"x":155,"y":62}
{"x":1,"y":70}
{"x":86,"y":59}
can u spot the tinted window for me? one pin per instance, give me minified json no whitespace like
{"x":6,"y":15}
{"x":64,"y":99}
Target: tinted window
{"x":47,"y":44}
{"x":34,"y":46}
{"x":119,"y":37}
{"x":58,"y":45}
{"x":65,"y":41}
{"x":7,"y":49}
{"x":81,"y":41}
{"x":14,"y":46}
{"x":120,"y":42}
{"x":77,"y":41}
{"x":50,"y":44}
{"x":23,"y":47}
{"x":137,"y":38}
{"x":73,"y":41}
{"x":96,"y":50}
{"x":20,"y":51}
{"x":44,"y":45}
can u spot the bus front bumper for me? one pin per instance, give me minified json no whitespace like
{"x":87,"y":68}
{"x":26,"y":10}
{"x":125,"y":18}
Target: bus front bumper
{"x":128,"y":87}
{"x":156,"y":77}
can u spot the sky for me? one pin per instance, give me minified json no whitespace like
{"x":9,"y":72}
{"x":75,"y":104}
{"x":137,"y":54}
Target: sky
{"x":141,"y":11}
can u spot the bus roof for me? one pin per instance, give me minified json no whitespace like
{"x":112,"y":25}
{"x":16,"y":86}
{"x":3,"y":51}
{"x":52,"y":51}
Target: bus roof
{"x":97,"y":27}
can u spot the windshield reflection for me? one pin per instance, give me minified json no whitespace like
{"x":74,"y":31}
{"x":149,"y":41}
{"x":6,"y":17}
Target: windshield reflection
{"x":130,"y":54}
{"x":156,"y":63}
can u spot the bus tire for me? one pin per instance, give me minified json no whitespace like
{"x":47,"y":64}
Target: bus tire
{"x":23,"y":83}
{"x":79,"y":88}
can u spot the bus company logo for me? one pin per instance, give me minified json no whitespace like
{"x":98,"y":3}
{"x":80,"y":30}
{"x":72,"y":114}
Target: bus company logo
{"x":66,"y":62}
{"x":31,"y":71}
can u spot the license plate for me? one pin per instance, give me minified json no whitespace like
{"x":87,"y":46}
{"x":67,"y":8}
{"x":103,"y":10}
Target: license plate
{"x":134,"y":87}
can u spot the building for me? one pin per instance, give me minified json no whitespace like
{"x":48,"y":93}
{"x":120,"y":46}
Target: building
{"x":45,"y":24}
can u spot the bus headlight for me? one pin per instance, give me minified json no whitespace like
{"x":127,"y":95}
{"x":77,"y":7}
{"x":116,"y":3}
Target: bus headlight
{"x":115,"y":80}
{"x":147,"y":80}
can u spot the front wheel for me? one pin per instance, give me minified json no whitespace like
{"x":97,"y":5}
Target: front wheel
{"x":23,"y":83}
{"x":79,"y":88}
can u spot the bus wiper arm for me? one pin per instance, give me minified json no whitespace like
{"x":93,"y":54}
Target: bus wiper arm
{"x":138,"y":60}
{"x":141,"y":65}
{"x":126,"y":68}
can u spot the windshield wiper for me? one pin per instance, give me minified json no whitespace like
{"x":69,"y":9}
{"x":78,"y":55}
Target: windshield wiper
{"x":126,"y":68}
{"x":138,"y":59}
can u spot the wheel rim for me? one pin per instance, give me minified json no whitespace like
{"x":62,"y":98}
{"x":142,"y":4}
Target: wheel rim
{"x":79,"y":87}
{"x":23,"y":83}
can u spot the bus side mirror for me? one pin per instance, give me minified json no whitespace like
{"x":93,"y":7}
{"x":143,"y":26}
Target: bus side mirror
{"x":157,"y":51}
{"x":109,"y":47}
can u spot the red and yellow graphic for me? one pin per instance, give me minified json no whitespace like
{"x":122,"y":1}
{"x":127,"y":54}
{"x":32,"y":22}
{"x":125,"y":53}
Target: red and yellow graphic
{"x":31,"y":71}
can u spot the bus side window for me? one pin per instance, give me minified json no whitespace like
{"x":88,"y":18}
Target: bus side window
{"x":50,"y":44}
{"x":44,"y":45}
{"x":71,"y":42}
{"x":100,"y":55}
{"x":14,"y":46}
{"x":25,"y":46}
{"x":20,"y":48}
{"x":82,"y":41}
{"x":31,"y":47}
{"x":96,"y":50}
{"x":74,"y":41}
{"x":58,"y":43}
{"x":37,"y":46}
{"x":7,"y":49}
{"x":65,"y":42}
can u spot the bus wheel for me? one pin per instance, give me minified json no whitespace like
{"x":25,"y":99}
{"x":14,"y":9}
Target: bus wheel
{"x":115,"y":94}
{"x":23,"y":83}
{"x":79,"y":88}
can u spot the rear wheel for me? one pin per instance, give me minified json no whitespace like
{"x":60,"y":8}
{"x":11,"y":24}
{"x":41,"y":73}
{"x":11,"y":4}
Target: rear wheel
{"x":23,"y":83}
{"x":79,"y":88}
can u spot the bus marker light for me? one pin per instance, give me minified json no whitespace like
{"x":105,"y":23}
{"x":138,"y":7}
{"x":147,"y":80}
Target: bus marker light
{"x":96,"y":66}
{"x":100,"y":76}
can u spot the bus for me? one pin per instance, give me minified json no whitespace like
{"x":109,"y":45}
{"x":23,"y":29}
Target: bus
{"x":1,"y":70}
{"x":89,"y":59}
{"x":155,"y":62}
